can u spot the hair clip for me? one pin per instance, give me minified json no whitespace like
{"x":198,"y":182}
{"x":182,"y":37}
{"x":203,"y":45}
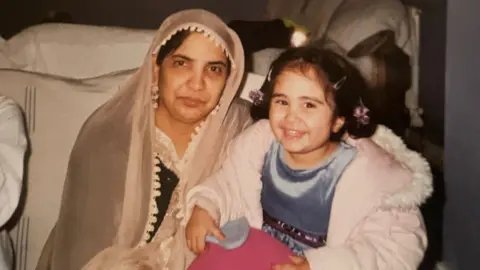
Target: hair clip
{"x":256,"y":96}
{"x":339,"y":83}
{"x":361,"y":113}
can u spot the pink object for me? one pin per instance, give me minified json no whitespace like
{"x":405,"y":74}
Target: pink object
{"x":259,"y":252}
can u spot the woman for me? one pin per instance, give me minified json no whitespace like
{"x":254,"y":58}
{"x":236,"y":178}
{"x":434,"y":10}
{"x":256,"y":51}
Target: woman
{"x":124,"y":193}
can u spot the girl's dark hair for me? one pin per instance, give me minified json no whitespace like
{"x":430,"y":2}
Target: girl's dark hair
{"x":345,"y":89}
{"x":174,"y":43}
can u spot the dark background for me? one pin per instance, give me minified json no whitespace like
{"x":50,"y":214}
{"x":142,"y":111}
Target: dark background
{"x":462,"y":169}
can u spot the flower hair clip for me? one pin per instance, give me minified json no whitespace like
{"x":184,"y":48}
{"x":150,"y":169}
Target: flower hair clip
{"x":256,"y":96}
{"x":361,"y":113}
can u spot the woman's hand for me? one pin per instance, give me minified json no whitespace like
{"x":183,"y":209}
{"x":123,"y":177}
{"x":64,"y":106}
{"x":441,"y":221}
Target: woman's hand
{"x":298,"y":263}
{"x":198,"y":227}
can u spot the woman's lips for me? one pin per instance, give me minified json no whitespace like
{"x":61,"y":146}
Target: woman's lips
{"x":192,"y":102}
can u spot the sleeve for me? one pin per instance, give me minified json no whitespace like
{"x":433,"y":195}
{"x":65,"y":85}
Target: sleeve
{"x":13,"y":145}
{"x":392,"y":239}
{"x":234,"y":190}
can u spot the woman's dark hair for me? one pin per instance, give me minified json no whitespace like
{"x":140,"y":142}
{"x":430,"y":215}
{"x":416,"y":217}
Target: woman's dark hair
{"x":171,"y":45}
{"x":174,"y":43}
{"x":345,"y":89}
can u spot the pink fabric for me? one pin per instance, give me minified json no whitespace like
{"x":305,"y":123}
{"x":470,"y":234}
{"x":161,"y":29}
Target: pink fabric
{"x":375,"y":222}
{"x":259,"y":252}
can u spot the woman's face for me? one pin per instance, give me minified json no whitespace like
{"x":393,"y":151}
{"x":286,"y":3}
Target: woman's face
{"x":300,"y":116}
{"x":192,"y":78}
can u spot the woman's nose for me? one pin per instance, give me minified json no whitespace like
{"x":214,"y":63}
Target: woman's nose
{"x":197,"y":80}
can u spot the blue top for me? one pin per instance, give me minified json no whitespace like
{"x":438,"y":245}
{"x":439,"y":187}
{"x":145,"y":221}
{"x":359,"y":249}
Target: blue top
{"x":302,"y":198}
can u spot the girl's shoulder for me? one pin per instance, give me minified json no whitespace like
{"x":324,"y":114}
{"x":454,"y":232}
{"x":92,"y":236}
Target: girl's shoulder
{"x":394,"y":168}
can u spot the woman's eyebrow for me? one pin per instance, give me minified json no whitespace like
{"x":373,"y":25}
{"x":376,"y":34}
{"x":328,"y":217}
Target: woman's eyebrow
{"x":190,"y":59}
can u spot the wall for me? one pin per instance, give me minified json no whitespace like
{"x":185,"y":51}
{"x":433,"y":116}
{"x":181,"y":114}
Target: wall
{"x":462,"y":171}
{"x":16,"y":14}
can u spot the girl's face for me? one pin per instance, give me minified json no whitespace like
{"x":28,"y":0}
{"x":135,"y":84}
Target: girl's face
{"x":300,"y":116}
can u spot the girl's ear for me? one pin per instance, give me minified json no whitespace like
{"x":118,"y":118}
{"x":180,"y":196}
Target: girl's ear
{"x":338,"y":124}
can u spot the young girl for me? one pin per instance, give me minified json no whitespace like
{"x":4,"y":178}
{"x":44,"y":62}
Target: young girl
{"x":307,"y":174}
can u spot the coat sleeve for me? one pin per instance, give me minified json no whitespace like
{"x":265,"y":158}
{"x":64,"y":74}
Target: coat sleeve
{"x":387,"y":239}
{"x":13,"y":145}
{"x":234,"y":190}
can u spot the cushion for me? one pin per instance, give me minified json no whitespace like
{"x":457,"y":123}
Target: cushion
{"x":259,"y":252}
{"x":76,"y":51}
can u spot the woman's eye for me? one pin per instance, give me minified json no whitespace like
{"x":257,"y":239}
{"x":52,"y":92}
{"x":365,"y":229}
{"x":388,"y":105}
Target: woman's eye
{"x":310,"y":105}
{"x":179,"y":63}
{"x":216,"y":69}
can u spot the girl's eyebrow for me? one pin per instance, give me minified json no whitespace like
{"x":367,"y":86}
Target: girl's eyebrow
{"x":307,"y":98}
{"x":278,"y":95}
{"x":314,"y":99}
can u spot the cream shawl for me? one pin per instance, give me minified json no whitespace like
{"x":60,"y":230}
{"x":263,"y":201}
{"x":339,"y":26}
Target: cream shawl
{"x":106,"y":199}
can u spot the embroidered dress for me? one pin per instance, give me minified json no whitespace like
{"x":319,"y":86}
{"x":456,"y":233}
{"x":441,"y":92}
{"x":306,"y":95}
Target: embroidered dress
{"x":164,"y":190}
{"x":168,"y":182}
{"x":167,"y":172}
{"x":297,"y":203}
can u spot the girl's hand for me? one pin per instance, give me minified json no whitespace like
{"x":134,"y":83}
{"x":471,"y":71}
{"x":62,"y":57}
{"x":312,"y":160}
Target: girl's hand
{"x":198,"y":227}
{"x":298,"y":263}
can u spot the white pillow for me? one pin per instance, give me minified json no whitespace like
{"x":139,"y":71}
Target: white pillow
{"x":76,"y":51}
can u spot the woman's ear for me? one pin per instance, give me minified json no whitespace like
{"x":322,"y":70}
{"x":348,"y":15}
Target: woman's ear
{"x":338,"y":124}
{"x":155,"y":69}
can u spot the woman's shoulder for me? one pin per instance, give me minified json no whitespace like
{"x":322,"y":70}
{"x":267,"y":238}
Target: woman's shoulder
{"x":398,"y":171}
{"x":258,"y":132}
{"x":239,"y":108}
{"x":256,"y":138}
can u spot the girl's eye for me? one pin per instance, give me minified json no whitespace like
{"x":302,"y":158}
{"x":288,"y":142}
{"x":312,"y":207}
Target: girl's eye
{"x":310,"y":105}
{"x":281,"y":102}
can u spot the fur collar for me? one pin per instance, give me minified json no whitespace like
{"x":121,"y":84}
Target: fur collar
{"x":421,"y":187}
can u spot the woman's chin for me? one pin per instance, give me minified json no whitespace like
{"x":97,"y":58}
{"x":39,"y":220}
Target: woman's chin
{"x":191,"y":115}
